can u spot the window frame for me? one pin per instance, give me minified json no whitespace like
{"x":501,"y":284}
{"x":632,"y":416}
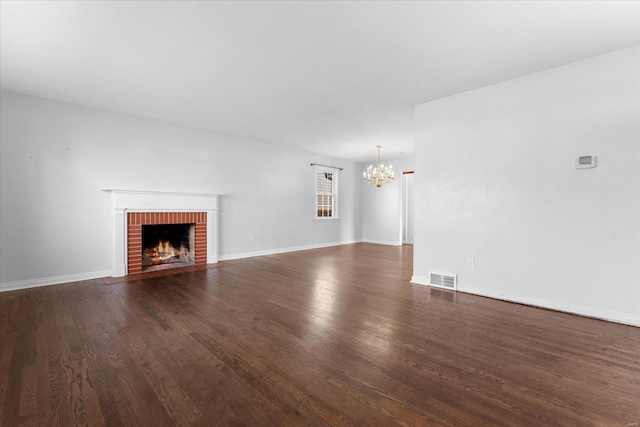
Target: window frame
{"x":335,"y":179}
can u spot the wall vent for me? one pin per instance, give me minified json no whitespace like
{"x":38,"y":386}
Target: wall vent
{"x":441,"y":280}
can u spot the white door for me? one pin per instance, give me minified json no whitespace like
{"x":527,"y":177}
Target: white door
{"x":407,"y":207}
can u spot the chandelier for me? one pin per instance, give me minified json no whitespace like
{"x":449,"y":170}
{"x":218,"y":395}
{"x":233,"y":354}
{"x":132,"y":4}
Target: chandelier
{"x":379,"y":174}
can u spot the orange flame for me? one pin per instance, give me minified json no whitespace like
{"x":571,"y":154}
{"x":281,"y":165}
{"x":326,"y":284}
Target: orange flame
{"x":164,"y":250}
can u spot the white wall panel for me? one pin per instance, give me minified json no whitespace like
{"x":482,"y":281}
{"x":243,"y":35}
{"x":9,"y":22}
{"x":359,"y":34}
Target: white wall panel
{"x":498,"y":184}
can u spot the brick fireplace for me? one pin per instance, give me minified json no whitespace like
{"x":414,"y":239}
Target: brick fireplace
{"x":135,"y":221}
{"x":134,"y":209}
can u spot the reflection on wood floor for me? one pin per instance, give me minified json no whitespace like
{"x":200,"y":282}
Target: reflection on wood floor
{"x":334,"y":336}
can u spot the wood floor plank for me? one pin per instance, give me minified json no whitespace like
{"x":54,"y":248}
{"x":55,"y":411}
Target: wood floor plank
{"x":333,"y":336}
{"x":18,"y":333}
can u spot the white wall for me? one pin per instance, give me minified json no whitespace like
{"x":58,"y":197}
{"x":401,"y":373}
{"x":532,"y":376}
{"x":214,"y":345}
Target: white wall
{"x":497,"y":183}
{"x":408,"y":211}
{"x":56,"y":158}
{"x":381,"y":207}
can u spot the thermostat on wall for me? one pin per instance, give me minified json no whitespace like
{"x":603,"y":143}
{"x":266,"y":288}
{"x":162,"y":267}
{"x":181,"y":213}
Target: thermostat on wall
{"x":585,"y":162}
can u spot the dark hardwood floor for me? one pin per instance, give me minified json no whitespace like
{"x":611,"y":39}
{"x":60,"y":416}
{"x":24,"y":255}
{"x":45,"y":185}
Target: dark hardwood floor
{"x":334,"y":336}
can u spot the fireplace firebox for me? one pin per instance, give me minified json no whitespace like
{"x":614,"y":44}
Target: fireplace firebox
{"x":196,"y":242}
{"x":167,"y":246}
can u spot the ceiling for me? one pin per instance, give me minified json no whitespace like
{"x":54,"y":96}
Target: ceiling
{"x":335,"y":78}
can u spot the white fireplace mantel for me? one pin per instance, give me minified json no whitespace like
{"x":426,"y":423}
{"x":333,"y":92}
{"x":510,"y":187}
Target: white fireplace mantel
{"x":124,"y":201}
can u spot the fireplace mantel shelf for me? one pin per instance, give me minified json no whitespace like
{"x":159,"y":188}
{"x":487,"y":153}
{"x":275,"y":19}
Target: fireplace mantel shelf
{"x":160,"y":193}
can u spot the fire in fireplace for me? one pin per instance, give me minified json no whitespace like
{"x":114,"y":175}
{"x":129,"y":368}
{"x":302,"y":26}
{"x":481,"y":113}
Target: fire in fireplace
{"x":167,"y":246}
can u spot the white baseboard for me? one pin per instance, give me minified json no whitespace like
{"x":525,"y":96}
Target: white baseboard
{"x":383,"y":242}
{"x":56,"y":280}
{"x":46,"y":281}
{"x":543,"y":303}
{"x":555,"y":305}
{"x":283,"y":250}
{"x":420,"y":280}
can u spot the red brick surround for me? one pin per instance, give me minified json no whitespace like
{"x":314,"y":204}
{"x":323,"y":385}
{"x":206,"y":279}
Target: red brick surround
{"x":136,"y":220}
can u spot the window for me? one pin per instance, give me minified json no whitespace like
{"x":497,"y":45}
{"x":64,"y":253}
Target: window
{"x":326,"y":193}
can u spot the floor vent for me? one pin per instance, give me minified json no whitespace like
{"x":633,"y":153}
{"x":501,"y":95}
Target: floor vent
{"x":447,"y":281}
